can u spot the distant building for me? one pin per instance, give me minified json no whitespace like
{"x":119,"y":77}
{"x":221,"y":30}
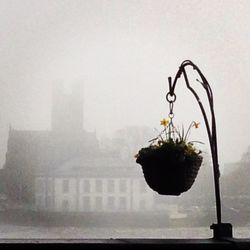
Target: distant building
{"x":64,"y":169}
{"x":77,"y":186}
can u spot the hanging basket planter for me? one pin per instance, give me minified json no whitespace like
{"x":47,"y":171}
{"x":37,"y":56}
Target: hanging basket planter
{"x":169,"y":169}
{"x":170,"y":163}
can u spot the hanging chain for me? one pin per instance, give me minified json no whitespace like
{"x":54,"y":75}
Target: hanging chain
{"x":171,"y":99}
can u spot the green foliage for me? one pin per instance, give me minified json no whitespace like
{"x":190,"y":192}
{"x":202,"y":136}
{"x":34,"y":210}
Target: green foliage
{"x":170,"y":147}
{"x":171,"y":143}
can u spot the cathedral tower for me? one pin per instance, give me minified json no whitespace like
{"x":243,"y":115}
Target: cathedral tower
{"x":67,"y":108}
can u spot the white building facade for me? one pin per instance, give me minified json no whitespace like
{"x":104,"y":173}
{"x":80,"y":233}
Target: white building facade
{"x":92,"y":194}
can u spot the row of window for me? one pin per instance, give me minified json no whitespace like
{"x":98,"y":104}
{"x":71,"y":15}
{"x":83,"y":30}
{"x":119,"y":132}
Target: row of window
{"x":99,"y":203}
{"x":99,"y":186}
{"x":122,"y":204}
{"x":90,"y":203}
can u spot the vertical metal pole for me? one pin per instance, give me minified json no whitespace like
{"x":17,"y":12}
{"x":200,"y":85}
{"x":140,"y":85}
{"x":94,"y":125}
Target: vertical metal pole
{"x":221,"y":230}
{"x":213,"y":143}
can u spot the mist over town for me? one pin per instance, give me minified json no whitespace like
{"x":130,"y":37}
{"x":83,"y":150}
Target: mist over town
{"x":83,"y":89}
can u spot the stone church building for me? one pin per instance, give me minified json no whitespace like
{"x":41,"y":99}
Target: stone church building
{"x":64,"y":169}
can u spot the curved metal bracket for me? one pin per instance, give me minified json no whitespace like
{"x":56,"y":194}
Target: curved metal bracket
{"x":211,"y":130}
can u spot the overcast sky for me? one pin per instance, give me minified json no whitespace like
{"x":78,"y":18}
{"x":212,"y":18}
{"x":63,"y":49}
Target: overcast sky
{"x":124,"y":51}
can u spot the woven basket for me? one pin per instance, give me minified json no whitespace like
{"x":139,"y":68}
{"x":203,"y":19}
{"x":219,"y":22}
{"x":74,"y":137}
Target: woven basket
{"x":169,"y":176}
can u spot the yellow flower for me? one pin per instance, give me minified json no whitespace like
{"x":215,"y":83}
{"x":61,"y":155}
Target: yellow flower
{"x":160,"y":142}
{"x":196,"y":124}
{"x":164,"y":122}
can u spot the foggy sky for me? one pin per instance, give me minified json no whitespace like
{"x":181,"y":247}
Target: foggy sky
{"x":123,"y":52}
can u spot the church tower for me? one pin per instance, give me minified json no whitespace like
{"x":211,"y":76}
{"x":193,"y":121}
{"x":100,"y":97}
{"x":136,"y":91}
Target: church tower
{"x":67,"y":108}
